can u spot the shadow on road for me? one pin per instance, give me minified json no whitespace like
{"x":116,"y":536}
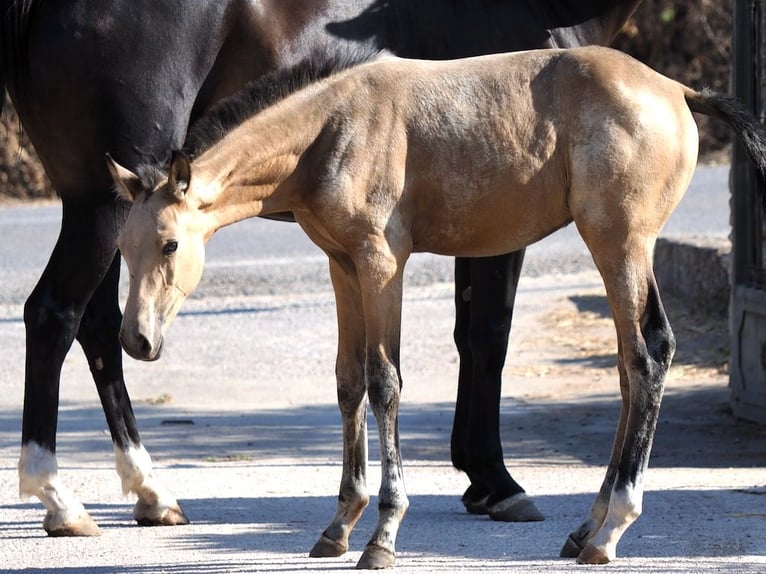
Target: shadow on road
{"x":696,"y":429}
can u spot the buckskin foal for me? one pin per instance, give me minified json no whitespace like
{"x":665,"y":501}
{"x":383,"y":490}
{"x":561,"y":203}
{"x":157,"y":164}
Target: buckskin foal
{"x":469,"y":157}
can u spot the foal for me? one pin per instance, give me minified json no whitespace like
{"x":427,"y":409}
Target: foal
{"x":470,"y":157}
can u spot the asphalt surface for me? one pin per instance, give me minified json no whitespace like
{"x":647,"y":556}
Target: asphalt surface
{"x":240,"y":418}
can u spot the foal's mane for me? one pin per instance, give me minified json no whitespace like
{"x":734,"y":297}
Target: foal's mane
{"x":264,"y":92}
{"x":251,"y":99}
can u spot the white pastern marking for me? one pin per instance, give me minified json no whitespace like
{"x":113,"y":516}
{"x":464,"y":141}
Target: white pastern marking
{"x":624,"y":508}
{"x":38,"y":476}
{"x":134,"y":466}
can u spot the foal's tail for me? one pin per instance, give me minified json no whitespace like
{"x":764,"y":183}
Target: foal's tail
{"x":748,"y":129}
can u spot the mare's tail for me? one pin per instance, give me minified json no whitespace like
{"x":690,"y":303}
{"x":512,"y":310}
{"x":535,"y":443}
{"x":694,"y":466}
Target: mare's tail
{"x":748,"y":129}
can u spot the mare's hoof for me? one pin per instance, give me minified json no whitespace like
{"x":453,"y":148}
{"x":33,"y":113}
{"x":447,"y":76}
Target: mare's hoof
{"x":475,"y":500}
{"x":171,"y":516}
{"x":375,"y":558}
{"x":84,"y":525}
{"x":592,"y":555}
{"x":517,"y":508}
{"x":571,"y":548}
{"x":328,"y":548}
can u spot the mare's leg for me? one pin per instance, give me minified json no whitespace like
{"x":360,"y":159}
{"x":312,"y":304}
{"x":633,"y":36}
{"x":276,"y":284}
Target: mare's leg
{"x":352,"y":401}
{"x":54,"y":316}
{"x":99,"y":337}
{"x":485,"y":290}
{"x":646,"y":347}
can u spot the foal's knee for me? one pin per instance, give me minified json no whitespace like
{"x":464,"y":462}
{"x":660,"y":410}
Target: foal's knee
{"x":383,"y":383}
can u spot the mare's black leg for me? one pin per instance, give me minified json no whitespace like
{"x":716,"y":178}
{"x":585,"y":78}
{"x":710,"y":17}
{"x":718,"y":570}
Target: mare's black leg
{"x":485,"y":290}
{"x":52,"y":317}
{"x":55,"y":313}
{"x":99,"y":337}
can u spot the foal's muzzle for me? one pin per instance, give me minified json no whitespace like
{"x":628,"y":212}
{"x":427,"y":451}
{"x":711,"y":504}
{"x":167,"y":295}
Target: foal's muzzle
{"x":140,"y":347}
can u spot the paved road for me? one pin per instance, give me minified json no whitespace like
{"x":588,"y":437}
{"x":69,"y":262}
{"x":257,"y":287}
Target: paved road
{"x":249,"y":363}
{"x":258,"y":257}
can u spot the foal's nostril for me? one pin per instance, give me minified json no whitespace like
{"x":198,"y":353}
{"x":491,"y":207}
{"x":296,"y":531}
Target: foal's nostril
{"x":143,"y":345}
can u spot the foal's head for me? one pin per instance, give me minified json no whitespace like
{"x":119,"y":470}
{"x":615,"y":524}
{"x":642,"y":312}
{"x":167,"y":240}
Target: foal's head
{"x":163,"y":243}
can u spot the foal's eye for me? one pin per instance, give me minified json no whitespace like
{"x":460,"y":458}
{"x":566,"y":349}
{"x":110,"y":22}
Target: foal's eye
{"x":170,"y":247}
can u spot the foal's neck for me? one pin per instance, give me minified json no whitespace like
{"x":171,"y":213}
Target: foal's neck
{"x":246,"y":172}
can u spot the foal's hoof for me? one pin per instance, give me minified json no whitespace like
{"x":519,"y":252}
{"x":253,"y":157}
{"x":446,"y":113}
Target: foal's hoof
{"x":475,"y":500}
{"x":375,"y":558}
{"x":571,"y":548}
{"x":328,"y":548}
{"x":517,"y":508}
{"x":592,"y":555}
{"x":171,"y":516}
{"x":83,"y":525}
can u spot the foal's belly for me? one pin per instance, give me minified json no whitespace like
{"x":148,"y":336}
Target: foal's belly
{"x":488,"y":227}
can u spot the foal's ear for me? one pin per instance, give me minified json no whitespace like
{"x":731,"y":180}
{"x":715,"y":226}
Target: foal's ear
{"x":127,"y":183}
{"x":179,"y":176}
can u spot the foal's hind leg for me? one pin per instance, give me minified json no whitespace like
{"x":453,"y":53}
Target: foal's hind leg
{"x":577,"y":540}
{"x":646,"y":347}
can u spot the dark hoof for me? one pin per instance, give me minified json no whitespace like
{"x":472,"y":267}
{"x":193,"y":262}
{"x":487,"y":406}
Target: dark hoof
{"x":571,"y":548}
{"x":328,"y":548}
{"x":592,"y":555}
{"x":173,"y":516}
{"x":475,"y":500}
{"x":83,"y":526}
{"x":517,"y":508}
{"x":375,"y":558}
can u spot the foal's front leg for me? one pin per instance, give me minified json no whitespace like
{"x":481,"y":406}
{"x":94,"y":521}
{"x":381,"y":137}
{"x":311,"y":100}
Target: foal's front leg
{"x":352,"y":401}
{"x":381,"y":285}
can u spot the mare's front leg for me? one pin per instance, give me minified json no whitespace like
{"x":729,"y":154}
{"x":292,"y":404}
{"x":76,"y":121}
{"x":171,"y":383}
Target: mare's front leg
{"x":75,"y":297}
{"x":485,"y":291}
{"x":99,"y":337}
{"x":352,"y":401}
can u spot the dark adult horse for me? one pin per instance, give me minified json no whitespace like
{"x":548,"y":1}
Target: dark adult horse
{"x":128,"y":77}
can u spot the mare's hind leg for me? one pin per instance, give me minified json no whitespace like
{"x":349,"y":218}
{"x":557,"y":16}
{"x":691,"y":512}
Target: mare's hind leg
{"x":99,"y":337}
{"x":484,"y":298}
{"x":646,"y":347}
{"x":352,"y":401}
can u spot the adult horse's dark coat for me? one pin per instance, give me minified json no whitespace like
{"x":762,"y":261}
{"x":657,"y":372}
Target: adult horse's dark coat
{"x":128,"y":76}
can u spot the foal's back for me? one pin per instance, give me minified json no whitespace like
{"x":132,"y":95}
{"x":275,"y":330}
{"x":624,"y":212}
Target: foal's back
{"x":489,"y":154}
